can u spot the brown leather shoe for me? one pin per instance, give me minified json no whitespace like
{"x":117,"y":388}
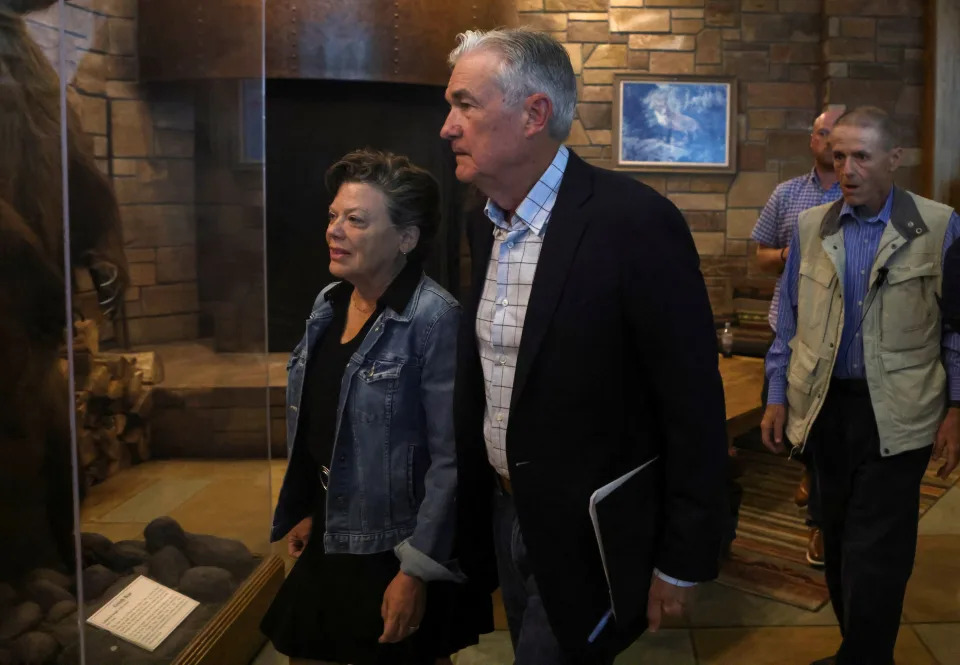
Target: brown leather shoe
{"x":815,"y":548}
{"x":801,"y":496}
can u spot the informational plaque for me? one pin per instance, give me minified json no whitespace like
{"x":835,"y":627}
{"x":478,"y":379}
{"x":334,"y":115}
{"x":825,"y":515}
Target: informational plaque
{"x":144,"y":613}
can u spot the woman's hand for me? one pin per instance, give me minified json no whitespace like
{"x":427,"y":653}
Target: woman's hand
{"x":402,"y":608}
{"x":298,"y":537}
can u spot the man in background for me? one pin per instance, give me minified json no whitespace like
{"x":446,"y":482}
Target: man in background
{"x":772,"y":234}
{"x":865,"y":375}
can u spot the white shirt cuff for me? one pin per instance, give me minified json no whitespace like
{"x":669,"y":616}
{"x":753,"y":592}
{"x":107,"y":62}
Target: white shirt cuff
{"x":673,"y":580}
{"x":417,"y":564}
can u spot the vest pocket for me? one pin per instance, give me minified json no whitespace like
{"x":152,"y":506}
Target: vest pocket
{"x":894,"y":361}
{"x":913,"y":381}
{"x":909,"y":305}
{"x":815,"y":292}
{"x":801,"y":376}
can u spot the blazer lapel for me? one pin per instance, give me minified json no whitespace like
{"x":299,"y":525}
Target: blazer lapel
{"x":560,"y":244}
{"x":481,"y":246}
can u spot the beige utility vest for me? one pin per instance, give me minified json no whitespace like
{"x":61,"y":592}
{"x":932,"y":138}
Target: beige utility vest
{"x":901,"y":329}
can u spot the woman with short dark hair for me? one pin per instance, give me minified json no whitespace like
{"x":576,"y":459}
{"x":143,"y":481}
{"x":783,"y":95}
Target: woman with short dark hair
{"x":367,"y":503}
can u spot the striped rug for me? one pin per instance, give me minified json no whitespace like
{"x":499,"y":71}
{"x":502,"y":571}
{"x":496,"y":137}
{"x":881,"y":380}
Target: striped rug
{"x":768,"y":558}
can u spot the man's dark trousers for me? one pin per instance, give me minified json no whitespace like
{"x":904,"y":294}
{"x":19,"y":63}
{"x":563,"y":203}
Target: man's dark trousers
{"x":533,"y":639}
{"x":869,"y":510}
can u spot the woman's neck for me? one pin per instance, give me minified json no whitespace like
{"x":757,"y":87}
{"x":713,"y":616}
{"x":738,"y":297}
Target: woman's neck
{"x":367,"y":292}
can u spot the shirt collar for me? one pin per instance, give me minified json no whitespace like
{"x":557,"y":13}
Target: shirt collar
{"x":397,"y":295}
{"x":815,"y":179}
{"x":883,"y":216}
{"x":535,"y":209}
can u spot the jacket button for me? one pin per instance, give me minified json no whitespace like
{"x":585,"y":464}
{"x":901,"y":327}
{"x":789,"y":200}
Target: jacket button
{"x":343,"y":458}
{"x":886,"y":451}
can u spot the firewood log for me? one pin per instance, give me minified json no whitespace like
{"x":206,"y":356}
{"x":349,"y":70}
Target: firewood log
{"x":116,"y":389}
{"x":119,"y":423}
{"x":144,"y":404}
{"x":99,"y":381}
{"x":134,"y":387}
{"x":147,"y":362}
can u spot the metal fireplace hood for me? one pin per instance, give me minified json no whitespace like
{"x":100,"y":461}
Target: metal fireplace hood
{"x":401,"y":41}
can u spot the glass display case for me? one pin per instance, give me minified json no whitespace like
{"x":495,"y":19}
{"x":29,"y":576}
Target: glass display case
{"x":141,"y":418}
{"x":151,"y":291}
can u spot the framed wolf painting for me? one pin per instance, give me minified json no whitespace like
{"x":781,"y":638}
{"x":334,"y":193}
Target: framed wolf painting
{"x":674,"y":124}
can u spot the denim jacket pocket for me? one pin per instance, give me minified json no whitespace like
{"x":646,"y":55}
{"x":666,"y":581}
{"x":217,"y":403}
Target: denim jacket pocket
{"x":295,"y":354}
{"x":374,"y":396}
{"x":380,"y":370}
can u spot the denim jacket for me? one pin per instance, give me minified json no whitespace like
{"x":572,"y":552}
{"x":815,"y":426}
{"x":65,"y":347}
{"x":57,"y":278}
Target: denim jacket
{"x":393,"y":472}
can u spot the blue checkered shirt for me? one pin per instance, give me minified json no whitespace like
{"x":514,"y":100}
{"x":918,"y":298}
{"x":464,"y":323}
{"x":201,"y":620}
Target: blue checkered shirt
{"x":506,"y":292}
{"x":779,"y":218}
{"x":861,"y":238}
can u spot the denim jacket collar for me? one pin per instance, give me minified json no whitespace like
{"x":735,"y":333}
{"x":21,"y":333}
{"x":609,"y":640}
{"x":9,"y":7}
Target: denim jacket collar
{"x":394,"y":303}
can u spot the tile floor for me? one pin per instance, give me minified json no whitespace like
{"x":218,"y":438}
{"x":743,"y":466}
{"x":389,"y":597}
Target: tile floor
{"x":724,"y":627}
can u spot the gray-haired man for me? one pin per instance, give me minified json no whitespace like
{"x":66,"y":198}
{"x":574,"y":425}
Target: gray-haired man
{"x":587,"y":340}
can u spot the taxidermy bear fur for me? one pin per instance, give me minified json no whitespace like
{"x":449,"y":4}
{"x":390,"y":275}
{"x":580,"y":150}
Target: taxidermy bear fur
{"x":36,"y":478}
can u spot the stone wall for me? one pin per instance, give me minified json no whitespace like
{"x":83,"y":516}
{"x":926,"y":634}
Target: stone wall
{"x":790,"y":58}
{"x":144,"y":139}
{"x":874,"y":54}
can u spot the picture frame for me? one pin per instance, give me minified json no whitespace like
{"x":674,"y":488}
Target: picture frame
{"x":674,"y":124}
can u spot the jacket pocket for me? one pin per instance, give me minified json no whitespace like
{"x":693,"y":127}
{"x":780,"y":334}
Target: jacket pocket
{"x":374,"y":395}
{"x":295,"y":354}
{"x":380,"y":370}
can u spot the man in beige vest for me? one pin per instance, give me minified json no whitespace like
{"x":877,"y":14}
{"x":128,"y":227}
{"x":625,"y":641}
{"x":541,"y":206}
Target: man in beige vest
{"x":864,"y":377}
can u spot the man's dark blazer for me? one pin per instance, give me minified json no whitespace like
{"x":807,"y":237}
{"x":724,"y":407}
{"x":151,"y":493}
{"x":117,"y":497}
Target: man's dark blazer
{"x":617,"y":363}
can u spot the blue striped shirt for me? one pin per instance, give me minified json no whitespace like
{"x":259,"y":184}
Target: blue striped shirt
{"x":778,"y":219}
{"x":861,"y":238}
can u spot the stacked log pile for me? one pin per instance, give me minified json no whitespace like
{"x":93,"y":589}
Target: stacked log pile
{"x":114,"y":399}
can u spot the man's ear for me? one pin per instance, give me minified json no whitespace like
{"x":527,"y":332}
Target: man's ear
{"x":538,"y":109}
{"x":895,"y":157}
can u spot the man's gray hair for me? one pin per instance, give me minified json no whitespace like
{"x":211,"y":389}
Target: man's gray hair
{"x":532,"y":62}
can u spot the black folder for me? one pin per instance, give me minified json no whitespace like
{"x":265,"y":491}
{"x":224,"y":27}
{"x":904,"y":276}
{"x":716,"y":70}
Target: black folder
{"x":626,"y":516}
